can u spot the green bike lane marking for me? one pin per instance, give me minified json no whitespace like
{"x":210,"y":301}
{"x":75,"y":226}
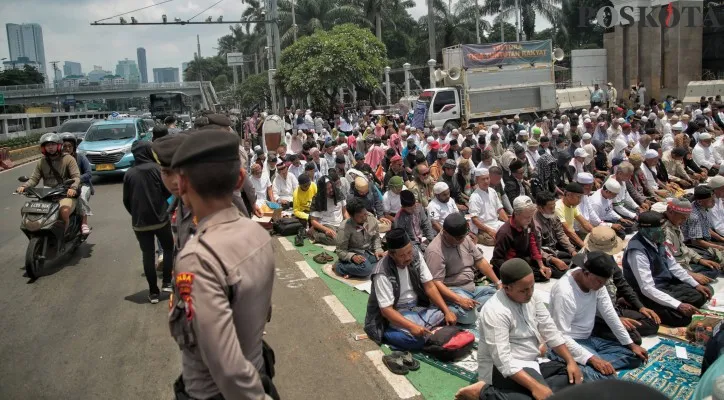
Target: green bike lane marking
{"x":431,"y":382}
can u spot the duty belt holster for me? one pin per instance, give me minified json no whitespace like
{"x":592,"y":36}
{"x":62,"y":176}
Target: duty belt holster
{"x":179,"y":390}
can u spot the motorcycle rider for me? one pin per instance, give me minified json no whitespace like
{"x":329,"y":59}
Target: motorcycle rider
{"x":70,"y":146}
{"x":54,"y":169}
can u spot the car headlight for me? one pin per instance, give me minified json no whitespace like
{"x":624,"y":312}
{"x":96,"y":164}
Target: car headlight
{"x":127,"y":148}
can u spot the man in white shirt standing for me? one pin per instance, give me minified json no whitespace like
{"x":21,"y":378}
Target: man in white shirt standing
{"x":514,"y":323}
{"x":660,"y":282}
{"x":441,"y":206}
{"x":284,"y":185}
{"x":575,"y":300}
{"x":486,"y":209}
{"x":703,"y":155}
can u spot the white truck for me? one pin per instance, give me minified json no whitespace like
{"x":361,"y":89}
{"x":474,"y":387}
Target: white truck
{"x":483,"y":82}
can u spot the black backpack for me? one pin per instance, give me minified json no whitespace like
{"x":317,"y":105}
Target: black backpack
{"x":449,"y":343}
{"x":287,"y":226}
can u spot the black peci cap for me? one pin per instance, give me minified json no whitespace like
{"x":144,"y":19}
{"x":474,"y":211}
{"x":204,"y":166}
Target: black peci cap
{"x":455,"y":224}
{"x":165,"y":147}
{"x":207,"y":146}
{"x":651,"y":219}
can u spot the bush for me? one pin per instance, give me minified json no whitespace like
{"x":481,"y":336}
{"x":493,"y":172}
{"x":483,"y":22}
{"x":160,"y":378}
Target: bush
{"x":24,"y":141}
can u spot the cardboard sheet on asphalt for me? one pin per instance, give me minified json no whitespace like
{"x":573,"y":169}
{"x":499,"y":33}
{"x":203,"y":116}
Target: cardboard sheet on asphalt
{"x":362,"y":284}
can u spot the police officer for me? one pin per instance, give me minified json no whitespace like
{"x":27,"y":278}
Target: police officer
{"x":182,"y":224}
{"x":222,"y":291}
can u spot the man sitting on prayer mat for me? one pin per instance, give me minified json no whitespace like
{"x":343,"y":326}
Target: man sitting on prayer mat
{"x":637,"y":319}
{"x":516,"y":239}
{"x":404,"y":304}
{"x":441,"y":205}
{"x":414,"y":220}
{"x":358,"y":242}
{"x":568,"y":212}
{"x":702,"y":264}
{"x":697,"y":229}
{"x":514,"y":324}
{"x":555,"y":247}
{"x":453,"y":258}
{"x":660,"y":282}
{"x":575,"y":300}
{"x":486,"y":209}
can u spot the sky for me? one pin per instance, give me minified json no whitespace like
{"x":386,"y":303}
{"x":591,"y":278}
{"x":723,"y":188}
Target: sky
{"x":68,"y":36}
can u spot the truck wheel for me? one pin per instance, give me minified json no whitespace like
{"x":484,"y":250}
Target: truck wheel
{"x":450,"y":125}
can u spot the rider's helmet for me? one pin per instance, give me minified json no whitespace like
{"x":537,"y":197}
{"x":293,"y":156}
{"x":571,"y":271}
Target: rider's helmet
{"x":69,"y":137}
{"x":50,"y":138}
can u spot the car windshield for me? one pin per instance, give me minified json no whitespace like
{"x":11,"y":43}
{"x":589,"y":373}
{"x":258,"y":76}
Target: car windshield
{"x":75,"y":126}
{"x":96,"y":133}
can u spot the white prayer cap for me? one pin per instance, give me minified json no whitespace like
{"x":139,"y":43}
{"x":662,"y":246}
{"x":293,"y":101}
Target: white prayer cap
{"x":651,"y":153}
{"x":257,"y":147}
{"x":430,"y":139}
{"x":644,"y":119}
{"x":697,"y":112}
{"x":564,"y":117}
{"x":557,"y":131}
{"x":612,"y":185}
{"x":707,"y":110}
{"x":639,"y":112}
{"x":300,"y":131}
{"x":595,"y":108}
{"x":587,"y":121}
{"x":495,"y":126}
{"x":580,"y":152}
{"x":584,"y":178}
{"x":705,"y":136}
{"x":545,"y":118}
{"x":481,"y":172}
{"x":604,"y":112}
{"x":678,"y":109}
{"x":344,"y":146}
{"x":560,"y":126}
{"x":412,"y":129}
{"x":584,"y":111}
{"x":652,"y":116}
{"x":593,"y":115}
{"x":522,"y":203}
{"x":522,"y":132}
{"x":716,"y":182}
{"x":677,"y":127}
{"x":621,"y":120}
{"x":440,"y":187}
{"x":455,"y":131}
{"x":586,"y":136}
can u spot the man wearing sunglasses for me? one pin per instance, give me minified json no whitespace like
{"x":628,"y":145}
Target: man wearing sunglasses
{"x":453,"y":259}
{"x":421,"y":187}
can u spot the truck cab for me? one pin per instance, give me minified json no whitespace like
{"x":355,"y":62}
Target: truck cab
{"x":443,"y":107}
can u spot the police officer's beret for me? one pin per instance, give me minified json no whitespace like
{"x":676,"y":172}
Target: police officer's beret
{"x":165,"y":147}
{"x":218,"y":119}
{"x":207,"y":146}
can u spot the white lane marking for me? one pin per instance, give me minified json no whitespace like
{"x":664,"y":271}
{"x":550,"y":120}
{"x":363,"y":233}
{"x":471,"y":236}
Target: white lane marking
{"x":402,"y":386}
{"x":306,"y":269}
{"x":338,"y":309}
{"x":288,"y":246}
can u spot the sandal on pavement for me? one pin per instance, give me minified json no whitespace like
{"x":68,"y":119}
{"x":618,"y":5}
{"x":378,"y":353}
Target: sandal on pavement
{"x":395,"y":364}
{"x":320,"y":258}
{"x":328,"y":257}
{"x":407,"y":360}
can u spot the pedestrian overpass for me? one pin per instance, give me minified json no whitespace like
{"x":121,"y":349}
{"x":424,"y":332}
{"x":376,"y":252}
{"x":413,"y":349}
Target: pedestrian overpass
{"x":29,"y":94}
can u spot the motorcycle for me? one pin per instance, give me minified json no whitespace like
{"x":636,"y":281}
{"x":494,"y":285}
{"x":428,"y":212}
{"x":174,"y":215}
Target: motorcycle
{"x":42,"y":225}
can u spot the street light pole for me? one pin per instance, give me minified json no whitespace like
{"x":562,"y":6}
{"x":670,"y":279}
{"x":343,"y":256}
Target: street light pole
{"x":477,"y":22}
{"x":387,"y":84}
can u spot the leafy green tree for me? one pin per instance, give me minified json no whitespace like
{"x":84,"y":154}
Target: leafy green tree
{"x":381,"y":12}
{"x":508,"y":33}
{"x":29,"y":75}
{"x":211,"y":67}
{"x":347,"y":56}
{"x":221,"y":82}
{"x":254,"y":91}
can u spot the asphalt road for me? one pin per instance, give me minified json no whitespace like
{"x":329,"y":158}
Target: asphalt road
{"x":87,"y":331}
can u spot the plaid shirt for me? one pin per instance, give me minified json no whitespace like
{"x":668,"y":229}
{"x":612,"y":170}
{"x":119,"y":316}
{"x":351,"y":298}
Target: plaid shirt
{"x":698,"y":225}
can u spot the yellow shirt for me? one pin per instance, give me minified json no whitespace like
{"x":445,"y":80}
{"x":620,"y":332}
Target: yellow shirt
{"x":302,"y":201}
{"x":566,"y":214}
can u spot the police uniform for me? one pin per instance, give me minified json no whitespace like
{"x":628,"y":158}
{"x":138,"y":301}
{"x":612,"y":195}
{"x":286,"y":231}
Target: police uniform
{"x":183,"y":225}
{"x":222,"y":293}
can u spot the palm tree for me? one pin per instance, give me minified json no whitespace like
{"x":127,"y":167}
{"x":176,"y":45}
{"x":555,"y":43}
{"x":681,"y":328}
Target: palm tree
{"x":529,"y":9}
{"x":450,"y":27}
{"x":469,"y":12}
{"x":311,"y":15}
{"x":379,"y":11}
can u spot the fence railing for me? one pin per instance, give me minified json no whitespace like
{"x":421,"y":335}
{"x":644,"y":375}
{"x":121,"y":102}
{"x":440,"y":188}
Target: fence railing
{"x":40,"y":90}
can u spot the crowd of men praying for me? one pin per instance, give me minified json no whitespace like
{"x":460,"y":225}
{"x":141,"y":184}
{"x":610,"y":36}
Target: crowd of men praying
{"x":622,"y":206}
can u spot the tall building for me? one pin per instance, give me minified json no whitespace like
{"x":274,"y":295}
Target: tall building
{"x":26,"y":40}
{"x":141,"y":56}
{"x":72,"y":68}
{"x":97,"y":74}
{"x":128,"y":70}
{"x":165,"y":75}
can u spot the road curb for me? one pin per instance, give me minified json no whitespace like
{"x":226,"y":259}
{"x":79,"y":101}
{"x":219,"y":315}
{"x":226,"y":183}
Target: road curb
{"x":22,"y":162}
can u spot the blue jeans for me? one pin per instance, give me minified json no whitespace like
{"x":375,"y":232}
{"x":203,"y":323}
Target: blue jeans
{"x":401,"y":338}
{"x":481,"y":294}
{"x":359,"y":270}
{"x":620,"y":357}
